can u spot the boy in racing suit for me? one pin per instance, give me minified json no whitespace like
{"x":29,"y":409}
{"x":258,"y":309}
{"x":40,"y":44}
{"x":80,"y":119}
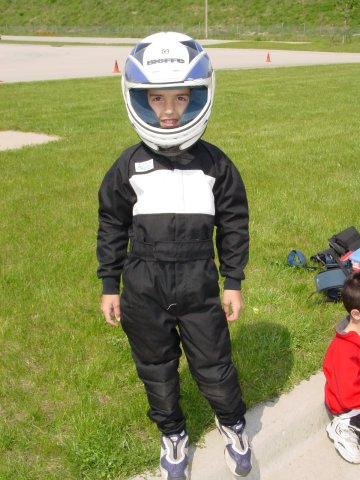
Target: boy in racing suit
{"x":163,"y":197}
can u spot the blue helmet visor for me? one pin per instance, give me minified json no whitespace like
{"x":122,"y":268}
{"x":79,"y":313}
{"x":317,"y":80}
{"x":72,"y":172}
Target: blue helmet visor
{"x":140,"y":104}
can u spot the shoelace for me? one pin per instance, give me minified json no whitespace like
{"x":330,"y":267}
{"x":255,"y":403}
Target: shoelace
{"x":345,"y":433}
{"x":175,"y":440}
{"x":356,"y":431}
{"x":238,"y":428}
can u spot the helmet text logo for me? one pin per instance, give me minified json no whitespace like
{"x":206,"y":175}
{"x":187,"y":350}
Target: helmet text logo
{"x":165,"y":60}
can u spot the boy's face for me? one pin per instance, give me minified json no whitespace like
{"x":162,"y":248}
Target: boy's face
{"x":169,"y":105}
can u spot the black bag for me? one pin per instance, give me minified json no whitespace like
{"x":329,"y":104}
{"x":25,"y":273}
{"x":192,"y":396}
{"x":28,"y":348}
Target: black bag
{"x":327,"y":258}
{"x":331,"y":279}
{"x":345,"y":241}
{"x":329,"y":283}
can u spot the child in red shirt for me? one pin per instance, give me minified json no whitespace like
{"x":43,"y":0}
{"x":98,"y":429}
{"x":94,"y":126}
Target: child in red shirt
{"x":342,"y":372}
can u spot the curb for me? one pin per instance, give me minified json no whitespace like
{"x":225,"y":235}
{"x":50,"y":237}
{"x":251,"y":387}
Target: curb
{"x":275,"y":429}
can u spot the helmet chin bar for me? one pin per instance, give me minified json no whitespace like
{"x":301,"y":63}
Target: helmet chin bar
{"x":164,"y":61}
{"x":183,"y":143}
{"x":181,"y":137}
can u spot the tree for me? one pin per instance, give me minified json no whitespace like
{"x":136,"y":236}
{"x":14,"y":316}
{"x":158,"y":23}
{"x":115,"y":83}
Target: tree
{"x":346,"y":8}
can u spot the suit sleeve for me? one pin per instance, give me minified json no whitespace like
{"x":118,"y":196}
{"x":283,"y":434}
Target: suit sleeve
{"x":232,"y":223}
{"x":116,"y":199}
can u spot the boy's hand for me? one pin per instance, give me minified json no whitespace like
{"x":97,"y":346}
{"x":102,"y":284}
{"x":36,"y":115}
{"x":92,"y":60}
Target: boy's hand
{"x":110,"y":307}
{"x":233,"y":303}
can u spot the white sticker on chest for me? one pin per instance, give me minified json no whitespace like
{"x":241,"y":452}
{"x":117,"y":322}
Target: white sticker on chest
{"x":144,"y":166}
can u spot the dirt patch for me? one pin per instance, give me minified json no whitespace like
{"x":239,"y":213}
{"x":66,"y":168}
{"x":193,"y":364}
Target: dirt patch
{"x":12,"y":139}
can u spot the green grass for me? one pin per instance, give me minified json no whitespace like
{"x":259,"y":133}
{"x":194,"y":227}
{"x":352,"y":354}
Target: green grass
{"x":144,"y":12}
{"x":129,"y":18}
{"x":71,"y":406}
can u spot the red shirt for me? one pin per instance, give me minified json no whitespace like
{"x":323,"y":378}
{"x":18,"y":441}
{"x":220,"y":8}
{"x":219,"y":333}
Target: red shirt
{"x":342,"y":371}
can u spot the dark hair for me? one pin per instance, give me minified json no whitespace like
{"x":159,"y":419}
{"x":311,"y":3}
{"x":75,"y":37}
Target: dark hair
{"x":350,"y":292}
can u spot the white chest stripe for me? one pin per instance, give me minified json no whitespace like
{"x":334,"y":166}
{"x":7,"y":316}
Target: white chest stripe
{"x":177,"y":191}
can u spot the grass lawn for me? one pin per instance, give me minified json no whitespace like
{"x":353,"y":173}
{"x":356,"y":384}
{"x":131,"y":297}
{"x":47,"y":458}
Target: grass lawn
{"x":71,"y":406}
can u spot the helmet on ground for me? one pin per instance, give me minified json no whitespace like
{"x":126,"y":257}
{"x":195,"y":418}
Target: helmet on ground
{"x":168,"y":60}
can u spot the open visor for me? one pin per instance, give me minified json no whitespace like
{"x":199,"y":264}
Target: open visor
{"x":140,"y":106}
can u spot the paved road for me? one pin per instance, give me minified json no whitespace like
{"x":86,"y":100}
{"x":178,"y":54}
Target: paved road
{"x":29,"y":62}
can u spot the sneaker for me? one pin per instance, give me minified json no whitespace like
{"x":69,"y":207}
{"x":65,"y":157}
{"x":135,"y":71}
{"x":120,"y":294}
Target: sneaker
{"x":174,"y":456}
{"x":345,"y":438}
{"x":237,"y":451}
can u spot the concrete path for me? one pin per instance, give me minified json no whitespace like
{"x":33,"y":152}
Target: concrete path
{"x":28,"y":62}
{"x":288,"y":438}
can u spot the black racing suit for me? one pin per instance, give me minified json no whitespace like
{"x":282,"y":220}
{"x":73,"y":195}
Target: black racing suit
{"x":168,"y":207}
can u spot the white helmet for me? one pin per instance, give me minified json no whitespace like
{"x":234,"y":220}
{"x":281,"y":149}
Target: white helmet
{"x":168,"y":60}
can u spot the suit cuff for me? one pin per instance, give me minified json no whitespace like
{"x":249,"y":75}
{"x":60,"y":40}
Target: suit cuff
{"x":110,"y":285}
{"x":232,"y":284}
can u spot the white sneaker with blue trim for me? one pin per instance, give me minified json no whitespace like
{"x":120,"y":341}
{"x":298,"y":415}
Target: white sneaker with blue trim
{"x":237,"y":449}
{"x":174,"y":456}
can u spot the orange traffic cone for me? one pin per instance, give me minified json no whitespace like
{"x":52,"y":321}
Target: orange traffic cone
{"x":268,"y":58}
{"x":116,"y":67}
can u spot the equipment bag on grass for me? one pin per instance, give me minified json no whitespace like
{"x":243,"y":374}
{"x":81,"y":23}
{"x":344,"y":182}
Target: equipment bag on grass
{"x":345,"y":241}
{"x":336,"y":268}
{"x":329,"y":283}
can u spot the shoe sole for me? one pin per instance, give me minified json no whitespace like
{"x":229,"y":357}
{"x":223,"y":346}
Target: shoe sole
{"x":340,"y":448}
{"x":165,"y":475}
{"x":232,"y":465}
